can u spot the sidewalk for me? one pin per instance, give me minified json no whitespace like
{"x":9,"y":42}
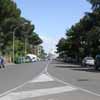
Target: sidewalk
{"x":7,"y":64}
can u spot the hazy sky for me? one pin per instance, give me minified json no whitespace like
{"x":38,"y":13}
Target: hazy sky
{"x":52,"y":17}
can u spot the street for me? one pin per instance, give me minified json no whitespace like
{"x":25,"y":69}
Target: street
{"x":14,"y":75}
{"x":49,"y":50}
{"x":49,"y":81}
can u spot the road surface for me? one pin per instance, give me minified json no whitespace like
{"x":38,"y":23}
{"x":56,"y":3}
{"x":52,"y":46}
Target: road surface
{"x":14,"y":75}
{"x":54,"y":81}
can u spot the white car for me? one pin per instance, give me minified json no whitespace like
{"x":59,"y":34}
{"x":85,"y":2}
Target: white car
{"x":32,"y":57}
{"x":88,"y":61}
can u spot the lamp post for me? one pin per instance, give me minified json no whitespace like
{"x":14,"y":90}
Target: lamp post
{"x":25,"y":38}
{"x":14,"y":43}
{"x":25,"y":46}
{"x":25,"y":43}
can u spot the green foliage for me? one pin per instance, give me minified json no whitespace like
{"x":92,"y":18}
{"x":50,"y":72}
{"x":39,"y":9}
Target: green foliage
{"x":83,"y":38}
{"x":95,"y":4}
{"x":8,"y":9}
{"x":11,"y":23}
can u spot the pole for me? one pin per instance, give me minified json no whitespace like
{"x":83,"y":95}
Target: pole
{"x":25,"y":46}
{"x":14,"y":44}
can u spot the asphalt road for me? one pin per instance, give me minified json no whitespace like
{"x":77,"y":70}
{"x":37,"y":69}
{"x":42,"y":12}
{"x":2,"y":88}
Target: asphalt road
{"x":15,"y":75}
{"x":51,"y":81}
{"x":86,"y":80}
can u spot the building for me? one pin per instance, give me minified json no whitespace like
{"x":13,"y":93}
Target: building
{"x":37,"y":50}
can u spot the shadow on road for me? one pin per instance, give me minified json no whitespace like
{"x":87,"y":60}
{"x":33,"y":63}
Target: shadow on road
{"x":67,"y":66}
{"x":78,"y":68}
{"x":87,"y":70}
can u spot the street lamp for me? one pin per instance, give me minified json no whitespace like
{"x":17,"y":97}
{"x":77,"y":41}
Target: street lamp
{"x":14,"y":43}
{"x":25,"y":46}
{"x":25,"y":42}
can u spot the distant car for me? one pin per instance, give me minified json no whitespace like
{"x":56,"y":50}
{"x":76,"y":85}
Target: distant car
{"x":97,"y":62}
{"x":32,"y":57}
{"x":88,"y":61}
{"x":27,"y":60}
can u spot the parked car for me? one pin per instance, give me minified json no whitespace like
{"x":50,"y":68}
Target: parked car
{"x":22,"y":59}
{"x":88,"y":61}
{"x":32,"y":57}
{"x":97,"y":62}
{"x":27,"y":60}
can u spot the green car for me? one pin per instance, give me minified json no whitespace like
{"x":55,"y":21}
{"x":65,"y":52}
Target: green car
{"x":21,"y":60}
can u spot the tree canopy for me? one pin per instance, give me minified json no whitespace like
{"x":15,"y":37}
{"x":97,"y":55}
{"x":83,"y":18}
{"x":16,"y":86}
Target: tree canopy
{"x":11,"y":22}
{"x":83,"y":38}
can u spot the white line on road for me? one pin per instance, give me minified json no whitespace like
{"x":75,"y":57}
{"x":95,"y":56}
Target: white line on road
{"x":37,"y":93}
{"x":42,"y":78}
{"x":9,"y":91}
{"x":66,"y":83}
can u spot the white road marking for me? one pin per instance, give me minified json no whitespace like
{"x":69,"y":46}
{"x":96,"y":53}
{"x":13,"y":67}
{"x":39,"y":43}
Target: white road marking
{"x":42,"y":78}
{"x":37,"y":93}
{"x":19,"y":86}
{"x":66,"y":83}
{"x":9,"y":91}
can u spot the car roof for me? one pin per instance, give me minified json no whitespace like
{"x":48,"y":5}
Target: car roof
{"x":88,"y":58}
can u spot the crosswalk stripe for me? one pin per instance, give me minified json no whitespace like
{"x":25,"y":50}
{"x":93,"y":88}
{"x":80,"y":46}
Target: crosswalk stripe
{"x":37,"y":93}
{"x":42,"y":78}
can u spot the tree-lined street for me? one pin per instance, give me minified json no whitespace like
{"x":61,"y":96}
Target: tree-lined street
{"x":41,"y":61}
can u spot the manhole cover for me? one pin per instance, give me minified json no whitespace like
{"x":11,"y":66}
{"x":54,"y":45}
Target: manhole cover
{"x":82,"y":80}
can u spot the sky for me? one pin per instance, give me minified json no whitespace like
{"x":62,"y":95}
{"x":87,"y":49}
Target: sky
{"x":53,"y":17}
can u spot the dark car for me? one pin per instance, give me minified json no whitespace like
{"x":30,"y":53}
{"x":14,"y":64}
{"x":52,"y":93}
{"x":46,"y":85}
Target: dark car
{"x":97,"y":62}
